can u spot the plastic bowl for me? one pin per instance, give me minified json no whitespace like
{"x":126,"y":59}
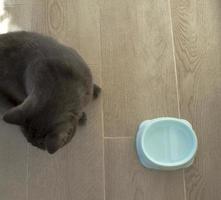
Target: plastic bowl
{"x":166,"y":143}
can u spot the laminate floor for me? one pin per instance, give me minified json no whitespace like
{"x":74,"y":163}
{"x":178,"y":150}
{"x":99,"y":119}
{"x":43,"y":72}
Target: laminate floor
{"x":152,"y":58}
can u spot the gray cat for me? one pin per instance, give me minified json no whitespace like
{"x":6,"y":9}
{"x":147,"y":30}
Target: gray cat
{"x":47,"y":84}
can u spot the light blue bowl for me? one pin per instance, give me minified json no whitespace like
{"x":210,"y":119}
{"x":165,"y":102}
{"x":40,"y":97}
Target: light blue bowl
{"x":166,"y":143}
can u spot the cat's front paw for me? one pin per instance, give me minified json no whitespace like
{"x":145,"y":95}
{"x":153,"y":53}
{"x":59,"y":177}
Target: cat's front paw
{"x":83,"y":119}
{"x":97,"y":91}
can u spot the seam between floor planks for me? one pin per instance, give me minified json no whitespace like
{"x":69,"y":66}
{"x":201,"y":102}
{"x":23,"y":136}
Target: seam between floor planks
{"x":176,"y":79}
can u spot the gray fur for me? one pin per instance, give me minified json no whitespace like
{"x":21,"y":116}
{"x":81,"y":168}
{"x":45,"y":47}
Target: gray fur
{"x":48,"y":86}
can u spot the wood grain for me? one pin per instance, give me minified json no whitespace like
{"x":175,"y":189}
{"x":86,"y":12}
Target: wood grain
{"x":127,"y":179}
{"x":138,"y":66}
{"x":20,"y":2}
{"x":196,"y":26}
{"x":77,"y":24}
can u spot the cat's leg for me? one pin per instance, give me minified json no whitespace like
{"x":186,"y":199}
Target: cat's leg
{"x":96,"y":91}
{"x":5,"y":104}
{"x":83,"y":119}
{"x":9,"y":98}
{"x":13,"y":93}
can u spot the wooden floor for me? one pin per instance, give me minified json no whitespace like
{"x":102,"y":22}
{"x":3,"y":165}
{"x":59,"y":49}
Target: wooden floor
{"x":152,"y":58}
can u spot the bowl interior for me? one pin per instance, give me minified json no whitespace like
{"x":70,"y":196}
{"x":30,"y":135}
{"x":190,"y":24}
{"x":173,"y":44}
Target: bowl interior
{"x":168,"y":142}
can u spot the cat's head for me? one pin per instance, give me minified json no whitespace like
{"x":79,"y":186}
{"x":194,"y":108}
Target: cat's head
{"x":42,"y":129}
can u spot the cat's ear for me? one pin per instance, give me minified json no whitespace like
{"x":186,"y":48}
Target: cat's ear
{"x":55,"y":141}
{"x":19,"y":114}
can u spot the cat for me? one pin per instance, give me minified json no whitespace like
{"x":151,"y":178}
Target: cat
{"x":47,"y":84}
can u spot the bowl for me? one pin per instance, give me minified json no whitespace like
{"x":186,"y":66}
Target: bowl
{"x":166,"y":143}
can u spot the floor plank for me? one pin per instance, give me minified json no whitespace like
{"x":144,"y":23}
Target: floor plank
{"x":127,"y":179}
{"x":20,"y":2}
{"x":138,"y":66}
{"x":76,"y":171}
{"x":77,"y":24}
{"x":23,"y":16}
{"x":13,"y":163}
{"x":196,"y":26}
{"x":85,"y":159}
{"x":13,"y":146}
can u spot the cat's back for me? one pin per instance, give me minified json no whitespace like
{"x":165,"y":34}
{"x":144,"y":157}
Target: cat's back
{"x":21,"y":49}
{"x":28,"y":46}
{"x":25,"y":44}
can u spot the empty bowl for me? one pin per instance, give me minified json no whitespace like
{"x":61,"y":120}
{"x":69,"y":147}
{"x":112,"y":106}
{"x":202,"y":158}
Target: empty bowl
{"x":166,"y":143}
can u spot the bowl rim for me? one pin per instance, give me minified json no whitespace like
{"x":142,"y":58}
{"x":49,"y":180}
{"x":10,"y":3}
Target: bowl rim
{"x":187,"y":159}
